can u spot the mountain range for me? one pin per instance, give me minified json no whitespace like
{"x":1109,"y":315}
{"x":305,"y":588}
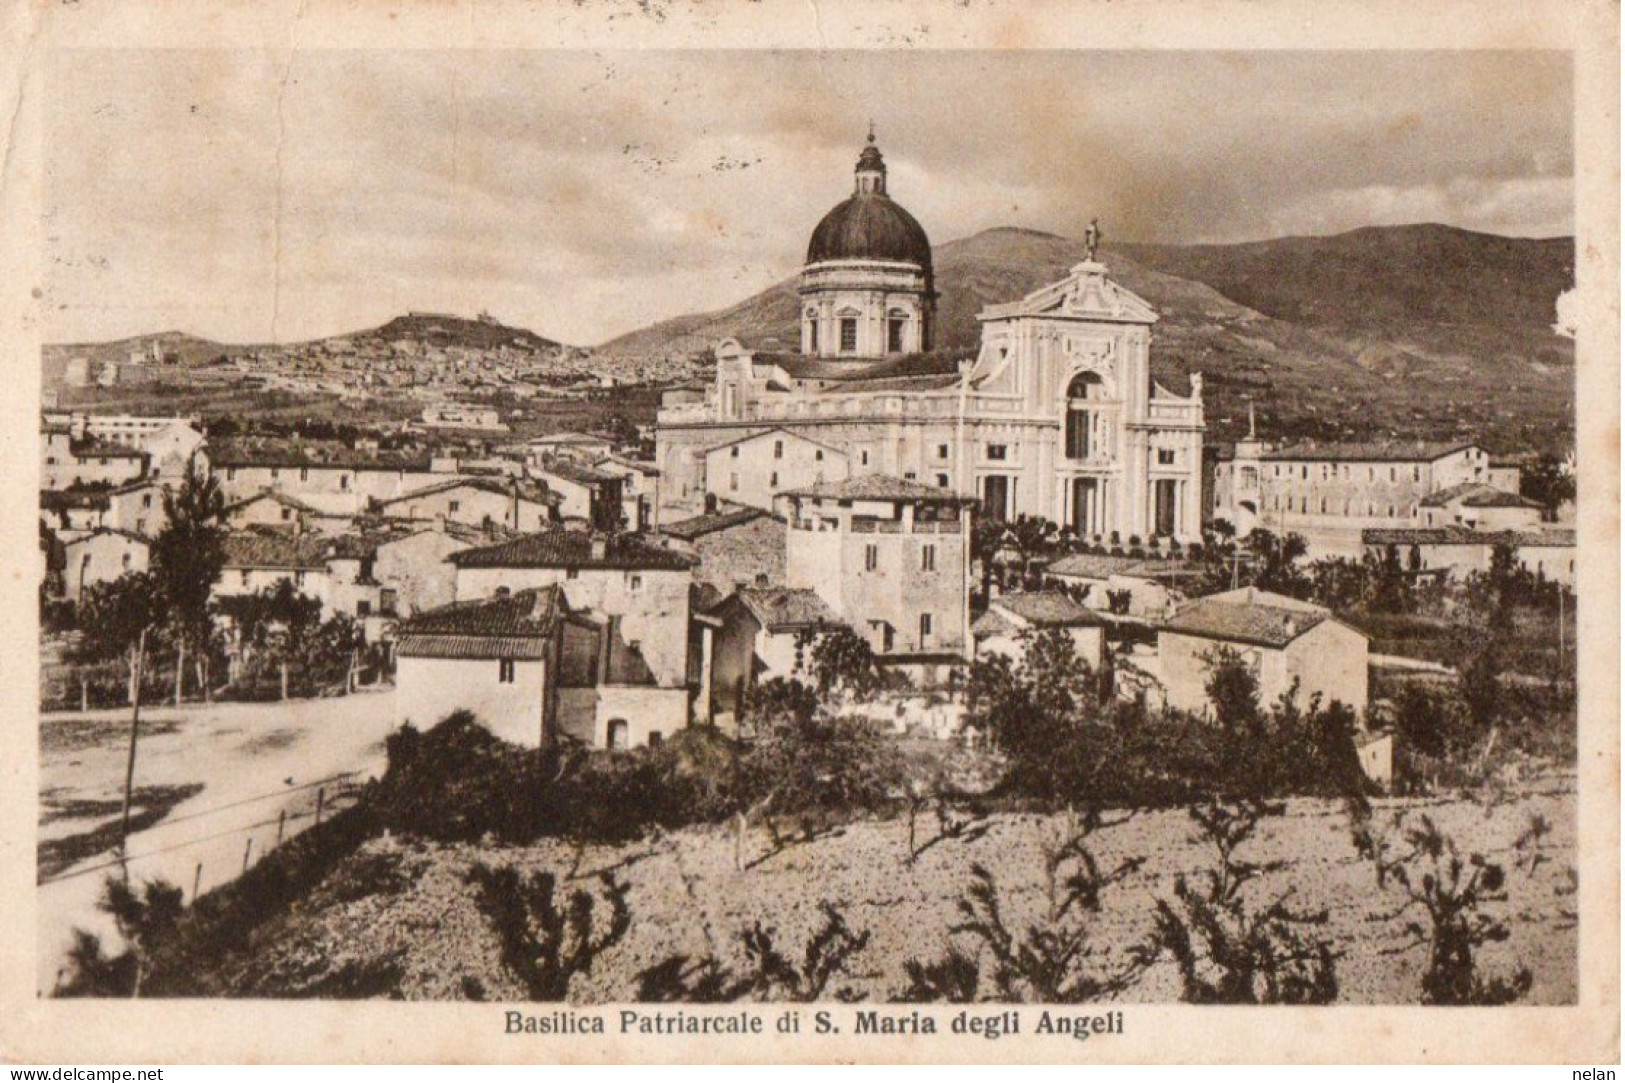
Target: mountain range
{"x":1407,"y":331}
{"x":1419,"y":331}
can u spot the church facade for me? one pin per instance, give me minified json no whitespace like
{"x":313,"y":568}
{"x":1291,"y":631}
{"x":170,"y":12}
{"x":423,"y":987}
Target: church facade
{"x":1056,"y":416}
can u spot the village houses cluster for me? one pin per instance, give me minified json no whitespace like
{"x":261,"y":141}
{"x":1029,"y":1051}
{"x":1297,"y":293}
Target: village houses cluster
{"x":564,"y":588}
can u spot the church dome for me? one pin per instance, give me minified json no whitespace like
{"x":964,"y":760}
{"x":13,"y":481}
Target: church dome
{"x":870,"y":225}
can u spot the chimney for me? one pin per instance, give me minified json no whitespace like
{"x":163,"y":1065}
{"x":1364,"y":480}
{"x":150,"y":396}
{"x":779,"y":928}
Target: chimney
{"x":598,"y":546}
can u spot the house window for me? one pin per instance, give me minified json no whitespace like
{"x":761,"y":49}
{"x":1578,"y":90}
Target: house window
{"x":126,"y":562}
{"x":942,"y":481}
{"x":1416,"y":473}
{"x":818,"y":455}
{"x":998,"y":452}
{"x":363,"y":608}
{"x":925,"y":628}
{"x":298,"y":579}
{"x":942,"y":451}
{"x":812,"y":340}
{"x":505,"y":670}
{"x":733,"y":452}
{"x":849,"y":334}
{"x":242,"y":579}
{"x":146,"y":501}
{"x":778,"y":449}
{"x":344,"y":482}
{"x":863,"y":458}
{"x":50,"y":460}
{"x":634,"y":582}
{"x":275,"y":473}
{"x":773,"y":480}
{"x":572,"y":573}
{"x":733,"y":482}
{"x":287,"y":513}
{"x":140,"y":526}
{"x":871,"y":557}
{"x":928,"y":559}
{"x":619,"y":734}
{"x":1165,"y":456}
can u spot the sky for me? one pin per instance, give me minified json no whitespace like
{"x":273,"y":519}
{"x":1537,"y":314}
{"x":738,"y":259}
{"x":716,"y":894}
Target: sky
{"x":250,"y":197}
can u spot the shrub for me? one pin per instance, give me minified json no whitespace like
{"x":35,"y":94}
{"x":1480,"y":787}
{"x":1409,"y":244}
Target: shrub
{"x":143,"y":918}
{"x":545,"y":945}
{"x":1451,"y":892}
{"x":768,"y":973}
{"x":1048,"y":962}
{"x":1229,"y":952}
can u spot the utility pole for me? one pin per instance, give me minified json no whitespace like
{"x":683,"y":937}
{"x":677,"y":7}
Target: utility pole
{"x":135,"y":730}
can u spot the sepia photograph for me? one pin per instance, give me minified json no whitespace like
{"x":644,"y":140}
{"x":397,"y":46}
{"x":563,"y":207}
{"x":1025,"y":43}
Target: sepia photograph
{"x":909,"y":531}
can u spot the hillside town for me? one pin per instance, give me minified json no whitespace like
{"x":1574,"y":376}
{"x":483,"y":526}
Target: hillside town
{"x":889,"y":523}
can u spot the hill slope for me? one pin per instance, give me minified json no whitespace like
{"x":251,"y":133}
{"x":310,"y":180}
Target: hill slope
{"x":1410,"y":331}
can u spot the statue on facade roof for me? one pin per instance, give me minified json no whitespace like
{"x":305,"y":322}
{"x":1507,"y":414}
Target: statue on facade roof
{"x":1092,"y":238}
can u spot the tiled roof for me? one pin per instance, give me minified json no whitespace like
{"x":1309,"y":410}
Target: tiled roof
{"x":1475,"y":494}
{"x":1425,"y":451}
{"x":1461,"y":535}
{"x":574,"y":549}
{"x":1093,"y":566}
{"x":701,"y":525}
{"x":62,"y":499}
{"x":783,"y":609}
{"x":524,"y":613}
{"x":647,"y":469}
{"x":265,"y":549}
{"x":993,"y":623}
{"x":894,"y":383}
{"x":580,"y":473}
{"x":878,"y":487}
{"x":1048,"y":608}
{"x":527,"y":490}
{"x":520,"y":648}
{"x":94,"y":447}
{"x":279,"y":497}
{"x":780,"y":431}
{"x":327,"y":454}
{"x":1248,"y":615}
{"x":105,"y":530}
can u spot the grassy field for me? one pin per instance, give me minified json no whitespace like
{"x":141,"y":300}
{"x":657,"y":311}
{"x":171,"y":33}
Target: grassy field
{"x":404,"y":912}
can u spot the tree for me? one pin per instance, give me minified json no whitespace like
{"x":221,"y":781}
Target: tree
{"x":1232,"y":688}
{"x":986,"y":539}
{"x":1277,"y":559}
{"x":1547,"y":481}
{"x":1040,"y":713}
{"x":843,"y":661}
{"x":117,"y":619}
{"x":188,"y":556}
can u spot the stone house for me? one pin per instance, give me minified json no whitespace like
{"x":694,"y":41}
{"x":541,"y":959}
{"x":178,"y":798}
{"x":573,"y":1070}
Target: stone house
{"x":758,"y":637}
{"x":104,"y":554}
{"x":735,"y":547}
{"x":1011,"y":617}
{"x":753,"y":470}
{"x":514,"y":504}
{"x":628,"y":579}
{"x":891,"y":559}
{"x":533,"y":671}
{"x":1282,"y":639}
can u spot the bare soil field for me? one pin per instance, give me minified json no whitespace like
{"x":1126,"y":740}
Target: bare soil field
{"x":400,"y":917}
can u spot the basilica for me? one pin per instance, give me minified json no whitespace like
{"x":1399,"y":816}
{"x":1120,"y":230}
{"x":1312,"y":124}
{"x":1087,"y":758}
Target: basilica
{"x":1056,"y":416}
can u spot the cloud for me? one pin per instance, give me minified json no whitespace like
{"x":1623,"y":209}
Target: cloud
{"x":585,"y":194}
